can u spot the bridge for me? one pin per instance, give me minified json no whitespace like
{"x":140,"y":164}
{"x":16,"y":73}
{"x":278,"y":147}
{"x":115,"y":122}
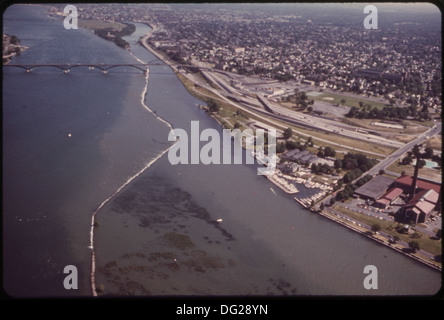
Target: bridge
{"x":104,"y":67}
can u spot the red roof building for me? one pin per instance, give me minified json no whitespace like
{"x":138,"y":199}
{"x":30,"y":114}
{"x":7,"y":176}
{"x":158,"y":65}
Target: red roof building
{"x":405,"y":183}
{"x":388,"y":198}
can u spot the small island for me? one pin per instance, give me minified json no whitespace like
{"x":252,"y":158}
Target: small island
{"x":109,"y":30}
{"x":11,"y":48}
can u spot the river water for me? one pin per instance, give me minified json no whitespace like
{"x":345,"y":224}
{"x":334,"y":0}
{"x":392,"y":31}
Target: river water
{"x":159,"y":235}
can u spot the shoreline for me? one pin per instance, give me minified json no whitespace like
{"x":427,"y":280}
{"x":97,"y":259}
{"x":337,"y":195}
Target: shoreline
{"x":384,"y":241}
{"x":381,"y":240}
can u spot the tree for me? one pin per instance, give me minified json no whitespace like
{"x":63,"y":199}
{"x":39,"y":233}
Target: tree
{"x":414,"y":245}
{"x":343,"y":101}
{"x":329,"y":152}
{"x":407,"y":160}
{"x":428,"y":153}
{"x":415,"y":150}
{"x":14,"y":40}
{"x":321,"y":206}
{"x":213,"y":106}
{"x":338,"y":163}
{"x":288,"y":133}
{"x":376,"y":227}
{"x":314,"y":168}
{"x":280,"y":147}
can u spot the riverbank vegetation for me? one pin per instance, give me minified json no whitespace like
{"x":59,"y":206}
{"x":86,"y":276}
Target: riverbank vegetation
{"x":111,"y":31}
{"x":11,"y":48}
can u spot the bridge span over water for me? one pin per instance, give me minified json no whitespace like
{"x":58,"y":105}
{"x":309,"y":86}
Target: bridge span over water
{"x":104,"y":67}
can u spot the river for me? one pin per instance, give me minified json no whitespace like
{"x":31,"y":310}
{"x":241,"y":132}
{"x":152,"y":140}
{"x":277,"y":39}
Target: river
{"x":159,"y":235}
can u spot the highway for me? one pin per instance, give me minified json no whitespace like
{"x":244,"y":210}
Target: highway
{"x":310,"y":121}
{"x":297,"y":118}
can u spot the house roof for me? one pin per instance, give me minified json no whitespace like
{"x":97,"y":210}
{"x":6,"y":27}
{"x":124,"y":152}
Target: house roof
{"x":375,"y":188}
{"x":425,"y":195}
{"x":383,"y":201}
{"x":424,"y":201}
{"x":420,"y":183}
{"x":393,"y":193}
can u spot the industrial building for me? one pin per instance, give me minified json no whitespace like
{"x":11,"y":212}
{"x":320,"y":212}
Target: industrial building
{"x":375,"y":188}
{"x":388,"y":198}
{"x":420,"y":207}
{"x":421,"y":196}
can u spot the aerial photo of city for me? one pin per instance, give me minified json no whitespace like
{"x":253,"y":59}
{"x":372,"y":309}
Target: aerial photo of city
{"x":222,"y":150}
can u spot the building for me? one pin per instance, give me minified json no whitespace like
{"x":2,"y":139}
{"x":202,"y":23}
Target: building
{"x":289,"y":167}
{"x":405,"y":183}
{"x":419,"y":208}
{"x":375,"y":188}
{"x":388,"y":198}
{"x":303,"y":157}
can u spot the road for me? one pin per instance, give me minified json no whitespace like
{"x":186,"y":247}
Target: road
{"x":382,"y":165}
{"x":281,"y":113}
{"x":314,"y":122}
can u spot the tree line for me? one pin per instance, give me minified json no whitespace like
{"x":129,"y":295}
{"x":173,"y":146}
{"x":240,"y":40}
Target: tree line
{"x":356,"y":164}
{"x":388,"y":113}
{"x":115,"y":35}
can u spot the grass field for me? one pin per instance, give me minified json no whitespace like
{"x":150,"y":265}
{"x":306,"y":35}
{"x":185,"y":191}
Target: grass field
{"x":427,"y":173}
{"x":435,"y":142}
{"x":335,"y":98}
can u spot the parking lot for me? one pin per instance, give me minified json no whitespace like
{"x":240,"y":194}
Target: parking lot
{"x":364,"y":207}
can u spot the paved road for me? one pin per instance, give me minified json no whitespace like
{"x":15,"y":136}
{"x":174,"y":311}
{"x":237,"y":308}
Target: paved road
{"x":314,"y":122}
{"x":382,"y":165}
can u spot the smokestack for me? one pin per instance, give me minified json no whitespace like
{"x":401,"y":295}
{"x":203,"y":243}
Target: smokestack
{"x":415,"y":177}
{"x":438,"y":206}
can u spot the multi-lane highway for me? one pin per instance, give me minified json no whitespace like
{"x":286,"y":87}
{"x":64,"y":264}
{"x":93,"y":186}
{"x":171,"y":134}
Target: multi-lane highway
{"x":306,"y":120}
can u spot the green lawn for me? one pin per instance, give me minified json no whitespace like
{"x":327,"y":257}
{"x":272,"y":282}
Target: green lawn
{"x":349,"y":101}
